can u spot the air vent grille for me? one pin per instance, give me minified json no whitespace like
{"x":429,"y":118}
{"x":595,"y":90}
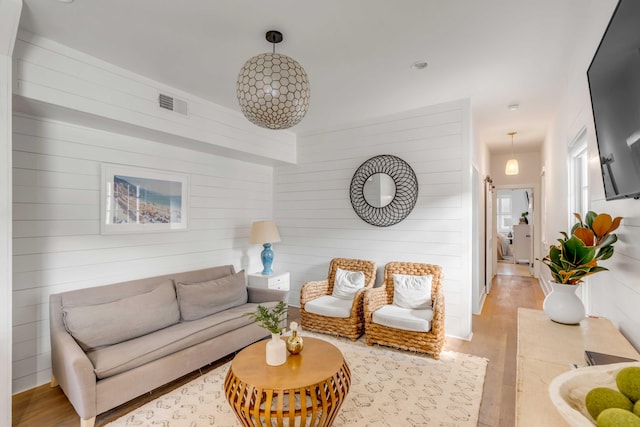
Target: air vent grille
{"x":166,"y":101}
{"x":172,"y":104}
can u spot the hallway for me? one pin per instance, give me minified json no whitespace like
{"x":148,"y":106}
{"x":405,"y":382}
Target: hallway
{"x":495,"y":333}
{"x":510,"y":269}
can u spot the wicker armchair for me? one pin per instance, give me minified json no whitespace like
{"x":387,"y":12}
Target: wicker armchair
{"x":351,"y":327}
{"x":430,"y":342}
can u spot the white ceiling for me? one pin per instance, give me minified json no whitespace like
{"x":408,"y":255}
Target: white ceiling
{"x":357,"y":53}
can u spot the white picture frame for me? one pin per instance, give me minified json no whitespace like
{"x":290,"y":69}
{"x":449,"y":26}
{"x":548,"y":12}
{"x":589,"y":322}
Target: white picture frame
{"x":139,"y":200}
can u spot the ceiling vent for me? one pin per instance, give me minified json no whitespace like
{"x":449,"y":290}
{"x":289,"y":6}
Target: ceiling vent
{"x":172,"y":104}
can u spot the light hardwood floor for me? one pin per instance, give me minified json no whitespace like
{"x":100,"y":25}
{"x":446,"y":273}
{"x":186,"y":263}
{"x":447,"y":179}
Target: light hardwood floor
{"x":513,"y":269}
{"x":494,"y":337}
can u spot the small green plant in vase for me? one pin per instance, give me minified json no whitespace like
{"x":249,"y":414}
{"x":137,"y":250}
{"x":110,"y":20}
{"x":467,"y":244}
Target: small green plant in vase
{"x":574,"y":258}
{"x":272,"y":319}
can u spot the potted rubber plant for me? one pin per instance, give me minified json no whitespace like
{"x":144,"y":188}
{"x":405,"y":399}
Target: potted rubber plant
{"x":272,"y":319}
{"x":575,"y":257}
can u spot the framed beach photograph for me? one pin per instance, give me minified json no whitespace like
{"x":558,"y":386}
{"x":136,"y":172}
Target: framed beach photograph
{"x":137,"y":200}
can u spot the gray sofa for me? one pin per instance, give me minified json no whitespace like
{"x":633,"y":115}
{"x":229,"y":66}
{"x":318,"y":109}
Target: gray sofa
{"x":110,"y":344}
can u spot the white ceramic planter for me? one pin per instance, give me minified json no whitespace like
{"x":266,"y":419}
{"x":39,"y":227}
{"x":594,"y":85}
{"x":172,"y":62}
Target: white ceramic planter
{"x":276,"y":351}
{"x":562,"y":305}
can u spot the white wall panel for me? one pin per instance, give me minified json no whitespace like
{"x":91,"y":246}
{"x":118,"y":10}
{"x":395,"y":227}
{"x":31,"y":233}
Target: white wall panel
{"x":58,"y":76}
{"x":5,"y":205}
{"x":57,"y":244}
{"x":10,"y":11}
{"x":614,"y":294}
{"x":317,"y":222}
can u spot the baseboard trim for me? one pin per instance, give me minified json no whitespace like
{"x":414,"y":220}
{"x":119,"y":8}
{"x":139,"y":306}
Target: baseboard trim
{"x":545,"y":285}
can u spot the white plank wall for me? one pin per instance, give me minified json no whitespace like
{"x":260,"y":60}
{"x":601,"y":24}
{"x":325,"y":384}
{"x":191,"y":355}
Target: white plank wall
{"x":57,"y":244}
{"x":5,"y":224}
{"x":10,"y":11}
{"x":614,"y":294}
{"x":51,"y":73}
{"x":317,"y":222}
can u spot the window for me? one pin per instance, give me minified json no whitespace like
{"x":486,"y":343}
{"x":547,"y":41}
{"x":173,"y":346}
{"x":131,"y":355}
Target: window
{"x":505,"y":209}
{"x":579,"y":191}
{"x":578,"y":177}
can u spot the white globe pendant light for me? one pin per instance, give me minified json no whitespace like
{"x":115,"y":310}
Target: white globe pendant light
{"x":273,"y":89}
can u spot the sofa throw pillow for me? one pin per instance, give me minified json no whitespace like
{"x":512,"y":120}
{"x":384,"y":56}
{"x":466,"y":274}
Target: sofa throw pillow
{"x":412,"y":292}
{"x":197,"y":300}
{"x":98,"y":325}
{"x":347,"y":283}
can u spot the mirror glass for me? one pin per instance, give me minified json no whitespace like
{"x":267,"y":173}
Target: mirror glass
{"x":379,"y":190}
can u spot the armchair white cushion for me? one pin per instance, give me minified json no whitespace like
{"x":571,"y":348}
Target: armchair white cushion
{"x":412,"y":292}
{"x":330,"y":306}
{"x":347,"y":283}
{"x":403,"y":318}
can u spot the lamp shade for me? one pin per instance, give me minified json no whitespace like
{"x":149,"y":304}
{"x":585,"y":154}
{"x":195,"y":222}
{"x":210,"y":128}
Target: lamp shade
{"x":264,"y":232}
{"x":273,"y":91}
{"x":512,"y":167}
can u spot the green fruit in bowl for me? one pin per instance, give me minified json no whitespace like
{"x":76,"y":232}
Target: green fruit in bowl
{"x":601,"y":398}
{"x":636,"y":408}
{"x":628,"y":382}
{"x":616,"y":417}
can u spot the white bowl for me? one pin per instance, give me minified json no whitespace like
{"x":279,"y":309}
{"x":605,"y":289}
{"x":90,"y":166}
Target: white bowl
{"x":568,"y":390}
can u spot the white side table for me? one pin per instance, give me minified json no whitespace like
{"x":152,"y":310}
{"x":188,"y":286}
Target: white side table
{"x":272,"y":281}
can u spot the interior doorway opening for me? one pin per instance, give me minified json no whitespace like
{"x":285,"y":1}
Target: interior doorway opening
{"x":514,"y":228}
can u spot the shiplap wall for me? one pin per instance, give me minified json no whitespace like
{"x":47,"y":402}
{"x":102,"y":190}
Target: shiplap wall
{"x":5,"y":237}
{"x":54,"y":74}
{"x":317,"y":222}
{"x":57,"y":244}
{"x":614,"y":294}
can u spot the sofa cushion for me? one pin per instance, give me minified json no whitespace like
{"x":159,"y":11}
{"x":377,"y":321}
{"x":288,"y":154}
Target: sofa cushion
{"x":330,"y":306}
{"x":403,"y":318}
{"x":118,"y":358}
{"x":197,"y":300}
{"x":119,"y":320}
{"x":412,"y":291}
{"x":347,"y":283}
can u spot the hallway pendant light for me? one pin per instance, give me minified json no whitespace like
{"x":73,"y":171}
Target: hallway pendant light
{"x":512,"y":164}
{"x":273,"y":89}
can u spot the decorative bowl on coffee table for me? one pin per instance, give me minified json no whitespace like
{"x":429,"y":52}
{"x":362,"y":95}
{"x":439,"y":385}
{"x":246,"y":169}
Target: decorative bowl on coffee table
{"x":567,"y":391}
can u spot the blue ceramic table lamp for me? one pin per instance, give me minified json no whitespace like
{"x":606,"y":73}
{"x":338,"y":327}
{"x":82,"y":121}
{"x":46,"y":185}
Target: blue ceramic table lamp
{"x":265,"y":233}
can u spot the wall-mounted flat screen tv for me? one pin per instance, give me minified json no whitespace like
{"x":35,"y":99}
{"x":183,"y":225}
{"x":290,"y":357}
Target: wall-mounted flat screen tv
{"x":614,"y":85}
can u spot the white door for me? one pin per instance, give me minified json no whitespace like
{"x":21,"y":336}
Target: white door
{"x":489,"y":250}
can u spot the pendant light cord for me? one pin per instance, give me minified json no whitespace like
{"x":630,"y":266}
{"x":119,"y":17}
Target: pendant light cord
{"x":512,"y":133}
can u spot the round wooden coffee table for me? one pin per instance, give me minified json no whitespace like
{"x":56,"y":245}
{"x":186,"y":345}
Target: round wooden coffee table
{"x":307,"y":390}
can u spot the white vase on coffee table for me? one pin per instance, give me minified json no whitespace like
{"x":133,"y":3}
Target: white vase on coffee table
{"x":276,"y":351}
{"x":562,"y":305}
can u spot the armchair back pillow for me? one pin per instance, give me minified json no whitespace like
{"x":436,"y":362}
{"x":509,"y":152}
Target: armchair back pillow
{"x":347,"y":283}
{"x":412,"y":292}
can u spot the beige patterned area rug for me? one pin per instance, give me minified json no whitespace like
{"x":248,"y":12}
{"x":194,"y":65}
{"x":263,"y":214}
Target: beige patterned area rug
{"x":388,"y":388}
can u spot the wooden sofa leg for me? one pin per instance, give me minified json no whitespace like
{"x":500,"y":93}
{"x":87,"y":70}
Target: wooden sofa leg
{"x":54,"y":381}
{"x":88,"y":422}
